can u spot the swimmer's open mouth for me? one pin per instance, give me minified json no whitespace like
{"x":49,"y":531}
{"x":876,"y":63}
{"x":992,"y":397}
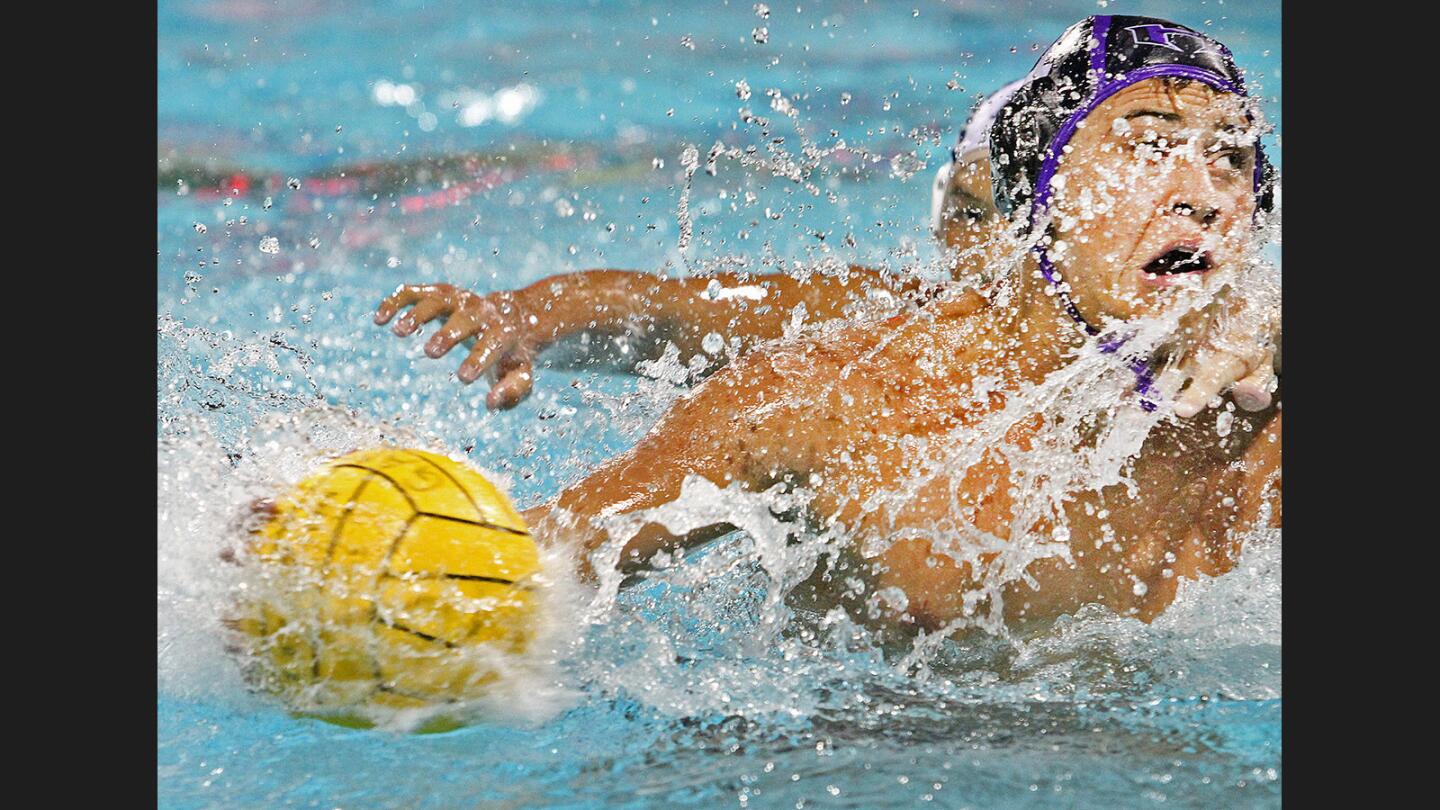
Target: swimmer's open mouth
{"x":1179,"y":260}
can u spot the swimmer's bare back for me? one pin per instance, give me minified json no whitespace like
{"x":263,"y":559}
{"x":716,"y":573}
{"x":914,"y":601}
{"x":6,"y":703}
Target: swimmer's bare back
{"x":850,"y":418}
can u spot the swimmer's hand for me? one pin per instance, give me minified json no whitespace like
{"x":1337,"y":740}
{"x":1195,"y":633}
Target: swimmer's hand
{"x":1238,"y":351}
{"x":509,"y":326}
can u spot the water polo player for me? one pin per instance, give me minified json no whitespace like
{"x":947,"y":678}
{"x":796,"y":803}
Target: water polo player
{"x":902,"y":431}
{"x":512,"y":327}
{"x":962,"y":207}
{"x":931,"y":444}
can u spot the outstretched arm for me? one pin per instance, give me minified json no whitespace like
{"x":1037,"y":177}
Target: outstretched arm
{"x":511,"y":328}
{"x":721,"y":432}
{"x":783,"y":413}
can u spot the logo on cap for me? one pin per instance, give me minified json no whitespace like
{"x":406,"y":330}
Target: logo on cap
{"x":1159,"y":35}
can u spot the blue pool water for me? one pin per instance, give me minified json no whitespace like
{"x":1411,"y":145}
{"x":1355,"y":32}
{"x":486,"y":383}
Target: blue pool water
{"x":575,"y":115}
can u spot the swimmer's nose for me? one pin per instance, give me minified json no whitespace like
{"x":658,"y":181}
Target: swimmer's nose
{"x":1205,"y":215}
{"x":1196,"y":196}
{"x":1198,"y":203}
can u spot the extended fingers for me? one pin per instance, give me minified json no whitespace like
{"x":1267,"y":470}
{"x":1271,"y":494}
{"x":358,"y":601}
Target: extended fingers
{"x":470,"y":318}
{"x":1253,"y":392}
{"x":1209,"y":376}
{"x":486,"y":351}
{"x":517,"y":377}
{"x":407,"y":294}
{"x":404,"y":296}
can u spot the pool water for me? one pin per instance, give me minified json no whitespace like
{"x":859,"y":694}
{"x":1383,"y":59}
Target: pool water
{"x":313,"y":155}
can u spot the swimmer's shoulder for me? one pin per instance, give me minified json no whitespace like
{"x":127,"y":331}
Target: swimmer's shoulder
{"x":936,"y":339}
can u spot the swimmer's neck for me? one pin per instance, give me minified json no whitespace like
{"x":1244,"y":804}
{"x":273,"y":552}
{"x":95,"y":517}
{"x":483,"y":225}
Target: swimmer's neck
{"x":1027,"y":311}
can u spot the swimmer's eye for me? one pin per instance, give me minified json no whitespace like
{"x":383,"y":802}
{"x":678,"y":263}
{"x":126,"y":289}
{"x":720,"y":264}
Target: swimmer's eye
{"x":972,"y":214}
{"x":1231,"y":160}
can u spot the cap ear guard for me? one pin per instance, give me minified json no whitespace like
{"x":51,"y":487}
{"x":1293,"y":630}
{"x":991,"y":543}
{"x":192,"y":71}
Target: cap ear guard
{"x":939,"y":195}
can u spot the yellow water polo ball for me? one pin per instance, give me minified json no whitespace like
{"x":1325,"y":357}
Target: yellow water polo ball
{"x":392,"y":578}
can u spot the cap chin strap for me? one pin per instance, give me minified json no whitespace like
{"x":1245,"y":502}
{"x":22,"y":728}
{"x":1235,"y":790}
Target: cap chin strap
{"x":1139,"y":366}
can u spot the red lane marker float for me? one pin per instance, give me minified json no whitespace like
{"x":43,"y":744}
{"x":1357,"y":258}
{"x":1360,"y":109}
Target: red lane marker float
{"x":453,"y":195}
{"x":331,"y":186}
{"x":237,"y":184}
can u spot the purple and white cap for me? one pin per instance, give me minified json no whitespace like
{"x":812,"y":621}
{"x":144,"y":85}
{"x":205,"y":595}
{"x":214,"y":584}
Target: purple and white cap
{"x":1091,"y":61}
{"x":974,"y":144}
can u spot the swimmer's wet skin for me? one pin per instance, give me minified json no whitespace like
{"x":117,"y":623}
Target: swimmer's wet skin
{"x":511,"y":328}
{"x":872,"y":405}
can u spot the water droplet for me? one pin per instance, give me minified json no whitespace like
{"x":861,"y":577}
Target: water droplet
{"x":761,"y":35}
{"x":293,"y":183}
{"x":200,"y":227}
{"x":1223,"y":423}
{"x":270,"y":244}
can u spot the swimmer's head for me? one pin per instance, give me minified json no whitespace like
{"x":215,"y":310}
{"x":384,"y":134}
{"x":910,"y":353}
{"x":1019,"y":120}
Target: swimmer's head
{"x":1132,"y":144}
{"x":962,"y":209}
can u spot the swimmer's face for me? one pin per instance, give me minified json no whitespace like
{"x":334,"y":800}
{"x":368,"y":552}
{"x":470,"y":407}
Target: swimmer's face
{"x":1156,"y":192}
{"x":971,"y":221}
{"x":970,"y":217}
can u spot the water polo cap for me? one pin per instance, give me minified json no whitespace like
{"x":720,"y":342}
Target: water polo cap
{"x":1093,"y":60}
{"x":974,"y":137}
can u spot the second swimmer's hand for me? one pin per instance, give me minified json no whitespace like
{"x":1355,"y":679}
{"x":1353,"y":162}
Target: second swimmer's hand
{"x":508,"y":330}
